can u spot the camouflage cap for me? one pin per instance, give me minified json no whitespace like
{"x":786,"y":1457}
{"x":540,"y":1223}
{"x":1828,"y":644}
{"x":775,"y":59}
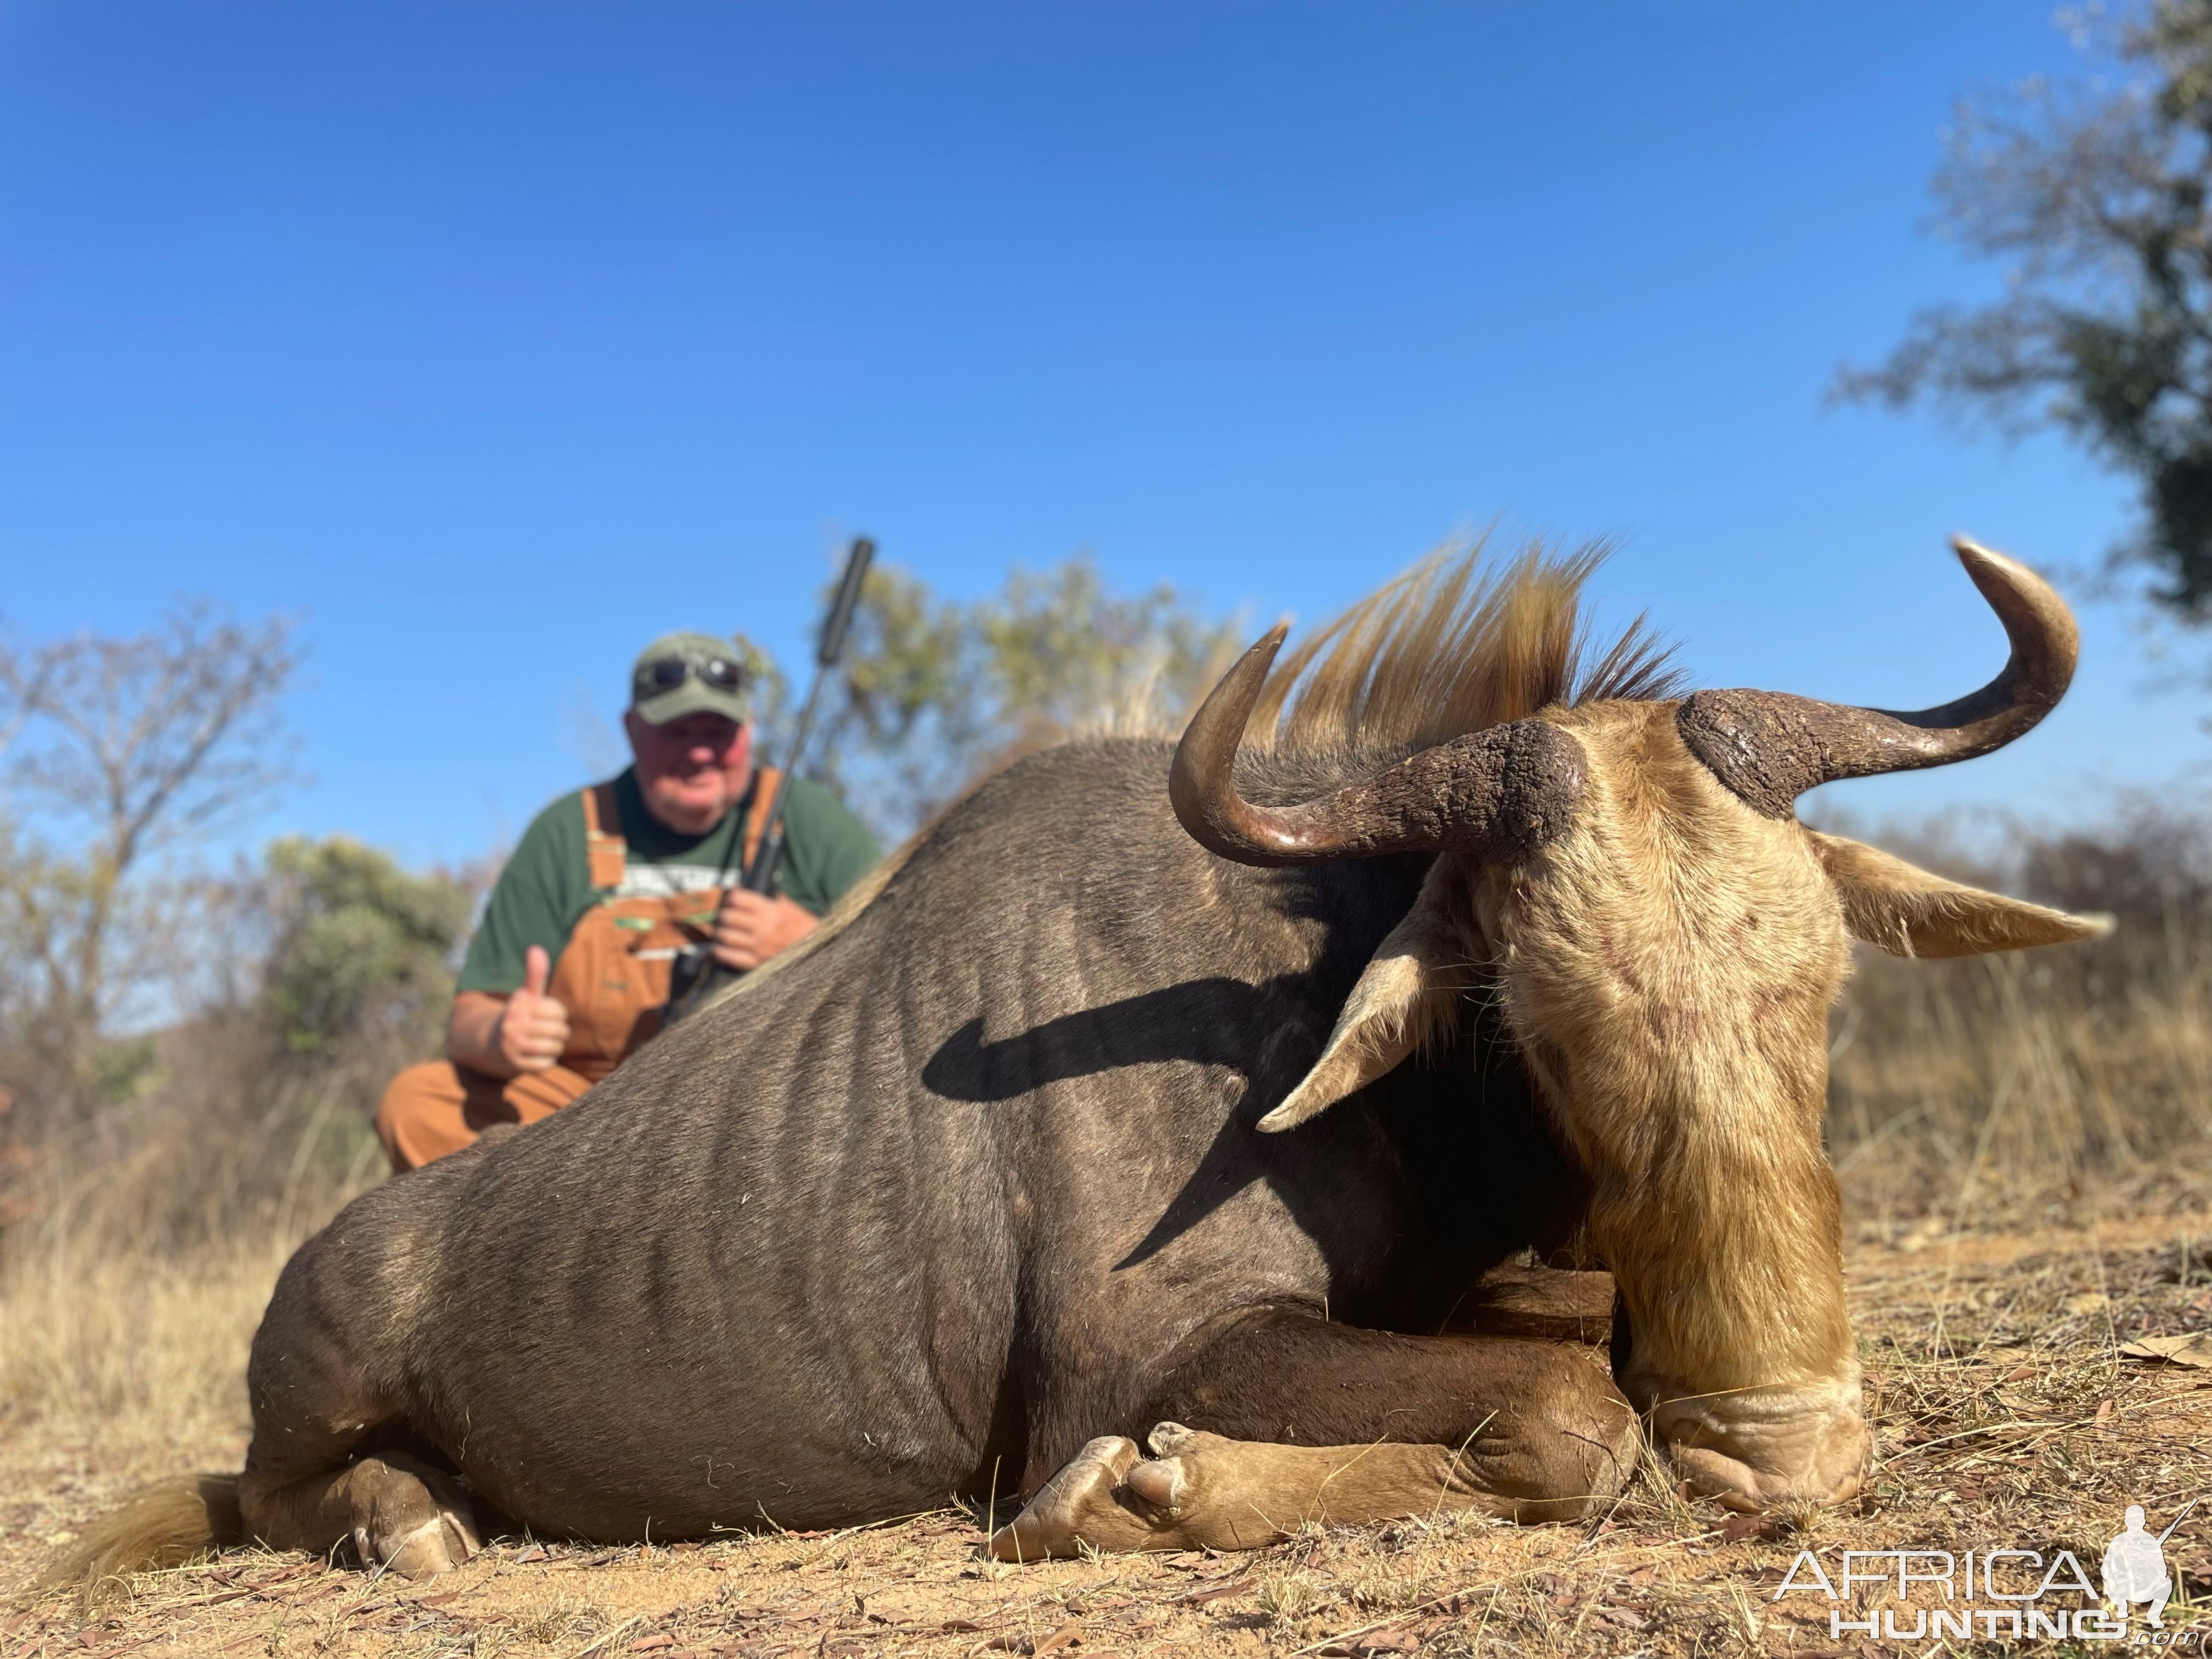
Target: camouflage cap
{"x":681,"y":674}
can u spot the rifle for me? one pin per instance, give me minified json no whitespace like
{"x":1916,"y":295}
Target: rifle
{"x":707,"y":976}
{"x":2168,"y":1533}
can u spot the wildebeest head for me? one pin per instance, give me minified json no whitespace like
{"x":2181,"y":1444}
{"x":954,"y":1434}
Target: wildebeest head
{"x":1626,"y":879}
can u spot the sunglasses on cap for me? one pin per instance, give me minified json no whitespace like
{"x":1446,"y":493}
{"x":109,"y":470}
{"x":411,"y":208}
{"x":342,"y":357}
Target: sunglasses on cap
{"x":666,"y":673}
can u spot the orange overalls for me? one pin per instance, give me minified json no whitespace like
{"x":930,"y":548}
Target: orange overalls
{"x":612,"y":976}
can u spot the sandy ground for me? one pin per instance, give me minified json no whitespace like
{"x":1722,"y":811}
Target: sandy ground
{"x":2006,"y":1413}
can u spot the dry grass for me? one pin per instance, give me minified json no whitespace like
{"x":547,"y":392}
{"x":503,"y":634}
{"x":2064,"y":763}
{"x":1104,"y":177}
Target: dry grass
{"x":2043,"y":1087}
{"x":134,"y":1265}
{"x":2039,"y":1089}
{"x":2003,"y":1416}
{"x":87,"y":1339}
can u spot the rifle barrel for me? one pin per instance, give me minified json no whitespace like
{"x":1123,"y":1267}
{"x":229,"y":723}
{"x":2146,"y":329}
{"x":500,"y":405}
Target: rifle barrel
{"x":2168,"y":1533}
{"x":761,"y":872}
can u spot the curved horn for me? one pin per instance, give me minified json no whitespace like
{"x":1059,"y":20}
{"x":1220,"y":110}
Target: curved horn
{"x":1770,"y":747}
{"x":1499,"y":793}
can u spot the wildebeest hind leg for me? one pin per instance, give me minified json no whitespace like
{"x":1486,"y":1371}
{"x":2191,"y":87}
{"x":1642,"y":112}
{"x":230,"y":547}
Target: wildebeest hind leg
{"x":304,"y":1488}
{"x":1529,"y":1430}
{"x":401,"y":1514}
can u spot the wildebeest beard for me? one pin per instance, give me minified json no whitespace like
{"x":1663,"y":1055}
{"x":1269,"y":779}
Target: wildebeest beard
{"x":1157,"y":1090}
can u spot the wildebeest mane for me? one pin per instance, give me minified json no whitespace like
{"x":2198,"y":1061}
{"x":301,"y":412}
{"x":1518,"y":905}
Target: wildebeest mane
{"x":1459,"y":643}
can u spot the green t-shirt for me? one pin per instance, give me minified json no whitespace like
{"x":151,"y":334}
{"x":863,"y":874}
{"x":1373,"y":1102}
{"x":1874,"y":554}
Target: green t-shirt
{"x":547,"y":885}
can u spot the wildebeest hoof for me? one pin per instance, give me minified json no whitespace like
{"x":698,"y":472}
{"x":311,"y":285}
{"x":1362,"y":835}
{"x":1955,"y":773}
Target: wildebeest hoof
{"x":1077,"y":1506}
{"x":412,"y":1520}
{"x":1166,"y":1439}
{"x":438,"y":1544}
{"x":1161,"y":1482}
{"x":1110,"y":1498}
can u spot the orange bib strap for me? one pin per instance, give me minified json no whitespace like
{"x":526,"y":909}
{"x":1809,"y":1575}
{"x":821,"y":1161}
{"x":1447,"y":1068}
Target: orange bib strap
{"x":765,"y":778}
{"x":605,"y":850}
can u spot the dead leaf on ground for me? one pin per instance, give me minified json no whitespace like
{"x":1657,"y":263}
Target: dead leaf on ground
{"x":1235,"y":1587}
{"x":2193,"y":1350}
{"x":1375,"y":1642}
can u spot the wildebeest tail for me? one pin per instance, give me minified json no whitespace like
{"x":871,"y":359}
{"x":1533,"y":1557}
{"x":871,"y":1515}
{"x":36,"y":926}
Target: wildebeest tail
{"x":166,"y":1525}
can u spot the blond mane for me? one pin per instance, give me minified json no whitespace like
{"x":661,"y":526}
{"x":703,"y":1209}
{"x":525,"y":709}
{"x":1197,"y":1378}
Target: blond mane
{"x":1459,"y":643}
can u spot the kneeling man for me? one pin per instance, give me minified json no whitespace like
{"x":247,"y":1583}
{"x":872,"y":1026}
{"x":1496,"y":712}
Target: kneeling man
{"x":570,"y":967}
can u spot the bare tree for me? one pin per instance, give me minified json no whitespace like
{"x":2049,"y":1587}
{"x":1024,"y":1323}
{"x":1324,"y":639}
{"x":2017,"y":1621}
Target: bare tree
{"x":2097,"y":197}
{"x":125,"y":749}
{"x":24,"y":675}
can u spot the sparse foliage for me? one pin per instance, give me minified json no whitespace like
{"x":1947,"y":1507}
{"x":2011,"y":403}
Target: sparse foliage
{"x":2097,"y":200}
{"x":934,"y":691}
{"x":362,"y":947}
{"x":313,"y":974}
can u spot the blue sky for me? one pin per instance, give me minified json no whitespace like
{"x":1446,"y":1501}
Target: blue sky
{"x":493,"y":340}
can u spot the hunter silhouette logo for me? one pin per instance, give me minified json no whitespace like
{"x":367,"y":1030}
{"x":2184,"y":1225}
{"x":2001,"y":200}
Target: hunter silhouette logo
{"x":2135,"y":1567}
{"x":1998,"y":1593}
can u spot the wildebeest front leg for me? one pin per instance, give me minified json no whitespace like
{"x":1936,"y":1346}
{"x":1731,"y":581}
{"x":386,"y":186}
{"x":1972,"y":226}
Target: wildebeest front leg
{"x":1285,"y":1417}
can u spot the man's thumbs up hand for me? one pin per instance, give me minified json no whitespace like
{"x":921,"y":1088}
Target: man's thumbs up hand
{"x":533,"y":1028}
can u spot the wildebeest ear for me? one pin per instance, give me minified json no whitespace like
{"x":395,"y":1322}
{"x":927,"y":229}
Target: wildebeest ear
{"x":1909,"y":913}
{"x":1407,"y":989}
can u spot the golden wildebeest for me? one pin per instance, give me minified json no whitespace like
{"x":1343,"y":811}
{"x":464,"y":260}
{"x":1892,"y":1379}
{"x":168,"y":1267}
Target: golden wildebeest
{"x":997,"y":1164}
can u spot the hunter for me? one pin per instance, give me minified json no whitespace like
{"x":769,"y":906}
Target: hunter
{"x":571,"y":966}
